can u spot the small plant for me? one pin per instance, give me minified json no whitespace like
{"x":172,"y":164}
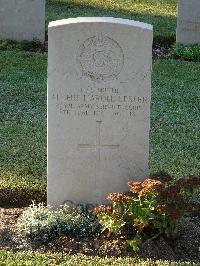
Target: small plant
{"x":40,"y":223}
{"x":9,"y":45}
{"x":31,"y":46}
{"x":190,"y":53}
{"x":150,"y":208}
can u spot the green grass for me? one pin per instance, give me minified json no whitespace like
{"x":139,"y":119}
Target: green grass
{"x":34,"y":46}
{"x":38,"y":259}
{"x":186,"y":52}
{"x":23,"y":119}
{"x":160,"y":13}
{"x":175,"y":121}
{"x":174,"y":138}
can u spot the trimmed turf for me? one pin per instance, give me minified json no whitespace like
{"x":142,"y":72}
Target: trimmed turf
{"x":23,"y":119}
{"x":160,"y":13}
{"x":38,"y":259}
{"x":175,"y":121}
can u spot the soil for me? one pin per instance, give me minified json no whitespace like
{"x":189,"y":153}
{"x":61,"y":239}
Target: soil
{"x":184,"y":246}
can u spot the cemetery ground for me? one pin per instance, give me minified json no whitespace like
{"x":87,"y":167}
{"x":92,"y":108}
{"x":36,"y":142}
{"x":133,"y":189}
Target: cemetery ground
{"x":174,"y":137}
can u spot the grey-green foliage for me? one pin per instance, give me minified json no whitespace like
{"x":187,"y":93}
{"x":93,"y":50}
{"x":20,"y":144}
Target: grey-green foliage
{"x":41,"y":223}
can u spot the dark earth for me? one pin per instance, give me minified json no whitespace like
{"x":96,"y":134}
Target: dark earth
{"x":185,"y":246}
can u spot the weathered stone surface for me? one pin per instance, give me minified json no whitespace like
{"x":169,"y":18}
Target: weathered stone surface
{"x":22,"y":20}
{"x":188,"y":22}
{"x":99,"y":79}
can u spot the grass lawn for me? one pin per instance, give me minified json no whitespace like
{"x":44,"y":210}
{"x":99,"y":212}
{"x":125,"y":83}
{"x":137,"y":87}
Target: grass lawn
{"x":23,"y":119}
{"x":160,"y":13}
{"x":175,"y":121}
{"x":38,"y":259}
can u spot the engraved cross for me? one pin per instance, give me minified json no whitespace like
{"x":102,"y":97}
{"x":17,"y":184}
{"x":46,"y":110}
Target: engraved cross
{"x":98,"y":145}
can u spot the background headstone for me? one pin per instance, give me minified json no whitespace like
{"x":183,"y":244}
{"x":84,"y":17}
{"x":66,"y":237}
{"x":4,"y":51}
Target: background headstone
{"x":188,"y":22}
{"x":22,"y":20}
{"x":99,"y":80}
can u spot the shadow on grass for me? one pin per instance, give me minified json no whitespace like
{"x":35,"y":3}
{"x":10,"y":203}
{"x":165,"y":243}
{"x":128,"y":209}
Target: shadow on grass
{"x":164,"y":26}
{"x":23,"y":197}
{"x":16,"y":198}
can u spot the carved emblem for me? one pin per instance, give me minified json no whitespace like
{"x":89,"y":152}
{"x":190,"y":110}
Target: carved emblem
{"x":100,"y":58}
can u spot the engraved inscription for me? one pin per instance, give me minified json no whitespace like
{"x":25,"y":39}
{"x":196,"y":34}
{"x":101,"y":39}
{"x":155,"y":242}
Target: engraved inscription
{"x":99,"y":102}
{"x":98,"y":146}
{"x":100,"y":58}
{"x":188,"y":25}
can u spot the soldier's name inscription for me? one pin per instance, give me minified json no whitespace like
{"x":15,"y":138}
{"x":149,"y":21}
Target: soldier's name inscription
{"x":105,"y":102}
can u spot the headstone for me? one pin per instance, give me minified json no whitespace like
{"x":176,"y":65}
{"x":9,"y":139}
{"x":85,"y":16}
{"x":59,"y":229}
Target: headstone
{"x":99,"y":80}
{"x":22,"y":20}
{"x":188,"y":22}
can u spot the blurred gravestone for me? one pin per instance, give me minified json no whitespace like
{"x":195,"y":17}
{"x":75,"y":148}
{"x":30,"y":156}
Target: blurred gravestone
{"x":22,"y":20}
{"x":188,"y":22}
{"x":99,"y":87}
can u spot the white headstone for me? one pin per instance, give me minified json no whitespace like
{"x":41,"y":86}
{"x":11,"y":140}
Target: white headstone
{"x":99,"y":82}
{"x":188,"y":22}
{"x":22,"y":20}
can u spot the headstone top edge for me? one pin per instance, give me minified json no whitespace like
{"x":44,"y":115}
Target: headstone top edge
{"x":101,"y":20}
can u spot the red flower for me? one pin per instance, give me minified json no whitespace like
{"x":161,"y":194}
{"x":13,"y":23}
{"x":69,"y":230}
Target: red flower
{"x":151,"y":185}
{"x":102,"y":209}
{"x":135,"y":187}
{"x":119,"y":197}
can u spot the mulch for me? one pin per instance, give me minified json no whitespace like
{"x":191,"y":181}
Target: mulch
{"x":184,"y":246}
{"x":102,"y":245}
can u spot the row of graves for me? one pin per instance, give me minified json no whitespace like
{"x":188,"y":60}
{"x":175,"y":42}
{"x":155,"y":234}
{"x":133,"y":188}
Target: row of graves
{"x":99,"y":94}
